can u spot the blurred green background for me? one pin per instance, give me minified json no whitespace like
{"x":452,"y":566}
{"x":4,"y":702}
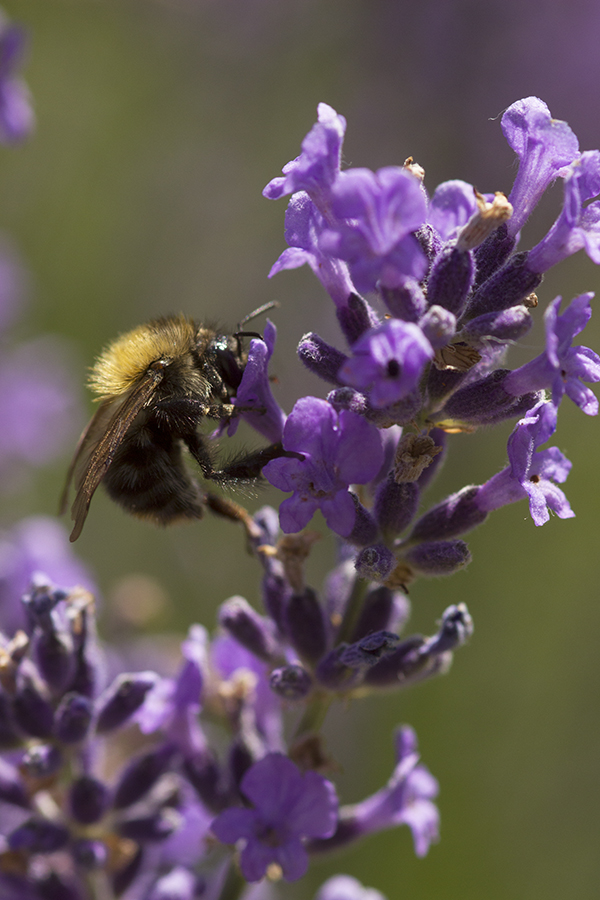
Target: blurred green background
{"x":159,"y":123}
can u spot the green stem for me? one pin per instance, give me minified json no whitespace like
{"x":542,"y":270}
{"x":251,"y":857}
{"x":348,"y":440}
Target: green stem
{"x":353,"y":611}
{"x":314,"y":716}
{"x":234,"y":885}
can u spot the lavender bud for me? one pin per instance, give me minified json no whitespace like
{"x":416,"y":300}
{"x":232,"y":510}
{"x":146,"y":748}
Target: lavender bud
{"x":275,"y":594}
{"x":89,"y":854}
{"x":290,"y":682}
{"x":369,"y":650}
{"x":383,"y":610}
{"x":32,"y":711}
{"x":507,"y":287}
{"x":241,"y":758}
{"x":55,"y":658}
{"x":439,"y":557}
{"x":404,"y":665}
{"x":141,"y":774}
{"x":484,"y":402}
{"x":334,"y":674}
{"x":11,"y":786}
{"x":124,"y":877}
{"x":375,"y":563}
{"x":355,"y":318}
{"x":249,"y":629}
{"x":493,"y":253}
{"x":305,"y":625}
{"x":439,"y":326}
{"x":38,"y":836}
{"x":396,"y":505}
{"x":451,"y":279}
{"x":73,"y":717}
{"x":429,"y":240}
{"x":153,"y":828}
{"x":365,"y":528}
{"x":40,"y":600}
{"x":321,"y":358}
{"x":88,"y":799}
{"x":508,"y":325}
{"x":41,"y":760}
{"x":407,"y":301}
{"x":455,"y":515}
{"x":9,"y":735}
{"x":441,"y":383}
{"x":348,"y":398}
{"x":122,"y":699}
{"x":456,"y":629}
{"x":57,"y":887}
{"x":205,"y":776}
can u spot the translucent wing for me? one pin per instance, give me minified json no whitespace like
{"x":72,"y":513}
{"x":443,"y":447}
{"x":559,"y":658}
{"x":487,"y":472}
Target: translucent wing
{"x":101,"y":440}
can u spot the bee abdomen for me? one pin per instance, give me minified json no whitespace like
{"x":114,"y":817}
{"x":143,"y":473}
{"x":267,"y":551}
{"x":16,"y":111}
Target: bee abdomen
{"x":149,"y":480}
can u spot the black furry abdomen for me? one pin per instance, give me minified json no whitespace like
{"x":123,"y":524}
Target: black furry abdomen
{"x":149,"y":479}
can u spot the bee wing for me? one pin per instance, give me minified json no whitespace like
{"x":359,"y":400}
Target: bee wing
{"x":101,"y":440}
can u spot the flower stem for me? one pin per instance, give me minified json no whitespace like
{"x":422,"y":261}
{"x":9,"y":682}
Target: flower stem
{"x":234,"y":883}
{"x":314,"y":716}
{"x":353,"y":611}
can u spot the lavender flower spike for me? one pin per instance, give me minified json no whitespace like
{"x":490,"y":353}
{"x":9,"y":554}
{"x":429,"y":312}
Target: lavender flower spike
{"x":544,"y":145}
{"x":287,"y":807}
{"x":339,"y":449}
{"x":388,"y":361}
{"x":561,"y":367}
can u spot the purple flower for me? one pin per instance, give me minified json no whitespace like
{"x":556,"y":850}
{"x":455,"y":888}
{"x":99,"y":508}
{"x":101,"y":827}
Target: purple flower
{"x":35,"y":545}
{"x":388,"y":361}
{"x":304,"y":225}
{"x":561,"y":367}
{"x":344,"y":887}
{"x":16,"y":114}
{"x":407,"y":799}
{"x":317,"y":167}
{"x":377,"y":213}
{"x":532,"y":472}
{"x":286,"y":808}
{"x":339,"y":449}
{"x":578,"y":226}
{"x":37,"y":405}
{"x":544,"y":145}
{"x":452,"y":205}
{"x":255,"y":390}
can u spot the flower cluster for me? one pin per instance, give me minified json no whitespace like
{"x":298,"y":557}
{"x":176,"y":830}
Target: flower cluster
{"x":448,"y":291}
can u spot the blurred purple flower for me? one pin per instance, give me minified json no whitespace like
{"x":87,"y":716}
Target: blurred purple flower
{"x":344,"y":887}
{"x":561,"y":367}
{"x":35,"y":545}
{"x":407,"y":799}
{"x":388,"y":361}
{"x":376,"y":213}
{"x":339,"y":449}
{"x":255,"y":390}
{"x":544,"y":145}
{"x":37,"y":405}
{"x":286,"y":807}
{"x":16,"y":114}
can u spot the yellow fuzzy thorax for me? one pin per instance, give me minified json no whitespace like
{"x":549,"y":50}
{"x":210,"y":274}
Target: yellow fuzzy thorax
{"x":123,"y":362}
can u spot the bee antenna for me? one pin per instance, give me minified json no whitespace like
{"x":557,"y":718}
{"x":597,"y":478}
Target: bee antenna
{"x":272,"y":304}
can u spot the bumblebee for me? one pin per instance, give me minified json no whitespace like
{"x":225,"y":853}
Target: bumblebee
{"x":155,"y":385}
